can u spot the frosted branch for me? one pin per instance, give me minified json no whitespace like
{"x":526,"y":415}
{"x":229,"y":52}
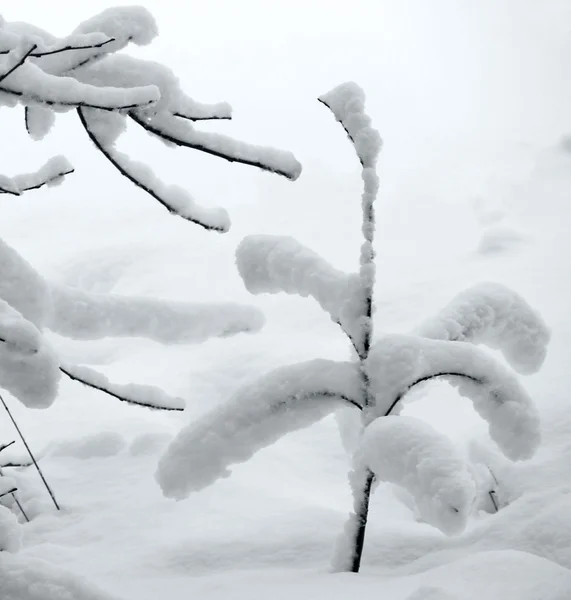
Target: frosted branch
{"x":183,"y":134}
{"x":139,"y":395}
{"x":15,"y":59}
{"x":30,"y":83}
{"x":272,"y":264}
{"x":347,"y":103}
{"x":492,"y":314}
{"x":52,"y":173}
{"x":284,"y":400}
{"x":70,"y":47}
{"x":398,"y":362}
{"x":176,"y":200}
{"x":412,"y":454}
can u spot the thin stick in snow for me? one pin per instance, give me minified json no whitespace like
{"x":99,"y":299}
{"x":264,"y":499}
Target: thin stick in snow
{"x":17,"y":502}
{"x":30,"y":453}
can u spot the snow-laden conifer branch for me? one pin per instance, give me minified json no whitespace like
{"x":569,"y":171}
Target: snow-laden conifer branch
{"x":176,"y":200}
{"x":284,"y":400}
{"x":52,"y":173}
{"x":492,"y":314}
{"x":397,"y":362}
{"x":140,"y":395}
{"x":183,"y":134}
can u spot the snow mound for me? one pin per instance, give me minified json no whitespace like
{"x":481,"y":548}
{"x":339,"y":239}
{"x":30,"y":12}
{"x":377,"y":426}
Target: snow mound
{"x":22,"y":578}
{"x":98,"y":445}
{"x":10,"y":531}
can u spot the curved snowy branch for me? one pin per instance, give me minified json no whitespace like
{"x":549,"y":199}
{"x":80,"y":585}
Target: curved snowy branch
{"x":183,"y":134}
{"x":412,"y":454}
{"x":272,"y":264}
{"x":28,"y":365}
{"x":397,"y":362}
{"x":124,"y":25}
{"x":38,"y":120}
{"x":85,"y":316}
{"x":131,"y":393}
{"x":52,"y":173}
{"x":284,"y":400}
{"x":492,"y":314}
{"x":347,"y":103}
{"x":176,"y":200}
{"x":32,"y":83}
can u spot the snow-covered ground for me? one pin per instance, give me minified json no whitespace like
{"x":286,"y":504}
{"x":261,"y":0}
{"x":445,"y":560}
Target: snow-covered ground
{"x":479,"y":192}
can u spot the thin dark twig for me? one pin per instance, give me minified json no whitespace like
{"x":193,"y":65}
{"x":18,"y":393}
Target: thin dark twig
{"x":16,"y":465}
{"x":109,"y":392}
{"x":40,"y":100}
{"x":9,"y":492}
{"x":427,"y":378}
{"x":350,"y":338}
{"x":5,"y":191}
{"x":492,"y":495}
{"x":133,"y":179}
{"x":37,"y":186}
{"x":65,"y":49}
{"x":30,"y":453}
{"x":213,"y":118}
{"x":17,"y":502}
{"x":202,"y":148}
{"x":342,"y":125}
{"x":18,"y":64}
{"x":4,"y":446}
{"x":49,"y":180}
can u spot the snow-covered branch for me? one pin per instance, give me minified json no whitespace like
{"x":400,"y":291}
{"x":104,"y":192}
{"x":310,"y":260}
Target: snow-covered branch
{"x":85,"y":316}
{"x":28,"y":365}
{"x":52,"y":173}
{"x":412,"y":454}
{"x":284,"y":400}
{"x":15,"y":59}
{"x":175,"y":199}
{"x":131,"y":393}
{"x":166,"y":126}
{"x":31,"y":84}
{"x":272,"y":264}
{"x":398,"y":362}
{"x":492,"y":314}
{"x":38,"y":120}
{"x":347,"y":103}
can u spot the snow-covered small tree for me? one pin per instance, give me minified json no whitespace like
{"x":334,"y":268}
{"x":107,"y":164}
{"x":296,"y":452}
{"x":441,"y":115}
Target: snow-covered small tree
{"x":85,"y":72}
{"x":401,"y":450}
